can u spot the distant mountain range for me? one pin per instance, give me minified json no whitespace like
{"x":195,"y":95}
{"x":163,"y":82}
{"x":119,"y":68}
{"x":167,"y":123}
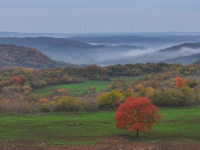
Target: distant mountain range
{"x":68,"y":50}
{"x":60,"y":44}
{"x":21,"y":56}
{"x":145,"y":40}
{"x":76,"y":52}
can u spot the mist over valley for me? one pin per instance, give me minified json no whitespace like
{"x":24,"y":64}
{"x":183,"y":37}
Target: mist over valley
{"x":111,"y":50}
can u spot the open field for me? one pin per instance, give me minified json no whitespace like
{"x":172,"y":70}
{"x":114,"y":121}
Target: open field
{"x":83,"y":87}
{"x":178,"y":124}
{"x":75,"y":88}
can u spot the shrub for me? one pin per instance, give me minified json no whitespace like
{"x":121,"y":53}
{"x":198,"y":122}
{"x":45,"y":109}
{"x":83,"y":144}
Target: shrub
{"x":188,"y":95}
{"x":139,"y":87}
{"x":192,"y":83}
{"x":44,"y":105}
{"x":65,"y":79}
{"x":18,"y":105}
{"x":143,"y":92}
{"x":128,"y":93}
{"x":69,"y":104}
{"x":91,"y":102}
{"x":173,"y":97}
{"x":38,"y":83}
{"x":150,"y":91}
{"x":110,"y":100}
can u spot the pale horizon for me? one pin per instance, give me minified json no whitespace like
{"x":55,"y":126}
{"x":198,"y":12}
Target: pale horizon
{"x":99,"y":16}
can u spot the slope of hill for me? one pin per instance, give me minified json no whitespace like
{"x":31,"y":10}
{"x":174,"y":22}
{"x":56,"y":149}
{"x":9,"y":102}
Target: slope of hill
{"x":180,"y":47}
{"x":197,"y":62}
{"x":184,"y":53}
{"x":20,"y":56}
{"x":184,"y":60}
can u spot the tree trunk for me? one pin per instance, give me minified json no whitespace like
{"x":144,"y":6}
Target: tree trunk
{"x":137,"y":134}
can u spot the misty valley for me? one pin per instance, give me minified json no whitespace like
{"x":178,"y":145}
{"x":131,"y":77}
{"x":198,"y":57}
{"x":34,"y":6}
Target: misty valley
{"x":112,"y":50}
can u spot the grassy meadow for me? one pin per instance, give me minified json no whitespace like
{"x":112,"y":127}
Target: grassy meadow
{"x":75,"y":88}
{"x":83,"y":87}
{"x":87,"y":128}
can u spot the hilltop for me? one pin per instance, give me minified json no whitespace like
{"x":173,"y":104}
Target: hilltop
{"x":185,"y":53}
{"x":180,"y":47}
{"x":21,"y":56}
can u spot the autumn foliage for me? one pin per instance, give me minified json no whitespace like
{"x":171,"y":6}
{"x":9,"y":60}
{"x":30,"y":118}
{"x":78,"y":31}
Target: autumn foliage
{"x":180,"y":82}
{"x":69,"y":80}
{"x":136,"y":114}
{"x":17,"y":80}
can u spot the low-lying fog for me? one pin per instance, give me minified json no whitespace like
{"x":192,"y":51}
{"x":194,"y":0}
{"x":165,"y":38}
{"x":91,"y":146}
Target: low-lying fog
{"x":107,"y":57}
{"x":145,"y":56}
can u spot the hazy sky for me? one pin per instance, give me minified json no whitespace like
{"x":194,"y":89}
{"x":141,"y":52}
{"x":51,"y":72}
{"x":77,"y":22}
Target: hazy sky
{"x":72,"y":16}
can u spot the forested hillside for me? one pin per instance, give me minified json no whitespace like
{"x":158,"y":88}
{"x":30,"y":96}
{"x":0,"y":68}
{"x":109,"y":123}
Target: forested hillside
{"x":185,"y":60}
{"x":21,"y":56}
{"x":181,"y":46}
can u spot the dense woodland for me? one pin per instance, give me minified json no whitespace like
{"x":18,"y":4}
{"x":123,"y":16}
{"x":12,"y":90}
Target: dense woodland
{"x":165,"y":84}
{"x":21,"y":56}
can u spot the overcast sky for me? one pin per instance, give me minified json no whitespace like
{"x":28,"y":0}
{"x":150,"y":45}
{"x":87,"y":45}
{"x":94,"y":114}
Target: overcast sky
{"x":73,"y":16}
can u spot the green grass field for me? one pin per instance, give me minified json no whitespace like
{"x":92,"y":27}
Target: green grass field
{"x":87,"y":128}
{"x":75,"y":88}
{"x":83,"y":87}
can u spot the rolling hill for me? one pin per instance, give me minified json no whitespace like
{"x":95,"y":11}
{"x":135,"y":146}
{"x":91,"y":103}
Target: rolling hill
{"x":180,"y":47}
{"x":147,"y":40}
{"x":184,"y":54}
{"x":184,"y":60}
{"x":197,"y":62}
{"x":46,"y":44}
{"x":69,"y":50}
{"x":21,"y":56}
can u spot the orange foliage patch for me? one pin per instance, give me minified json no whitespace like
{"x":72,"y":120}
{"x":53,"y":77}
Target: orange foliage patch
{"x":180,"y":82}
{"x":69,"y":80}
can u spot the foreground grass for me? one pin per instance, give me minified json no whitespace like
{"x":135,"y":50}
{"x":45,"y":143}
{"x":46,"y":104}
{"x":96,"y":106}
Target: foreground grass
{"x":61,"y":128}
{"x":87,"y":128}
{"x":177,"y":124}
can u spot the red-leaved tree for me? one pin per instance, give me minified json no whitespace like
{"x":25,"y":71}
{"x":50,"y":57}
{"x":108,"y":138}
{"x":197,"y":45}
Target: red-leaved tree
{"x":17,"y":80}
{"x":136,"y":114}
{"x":180,"y":82}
